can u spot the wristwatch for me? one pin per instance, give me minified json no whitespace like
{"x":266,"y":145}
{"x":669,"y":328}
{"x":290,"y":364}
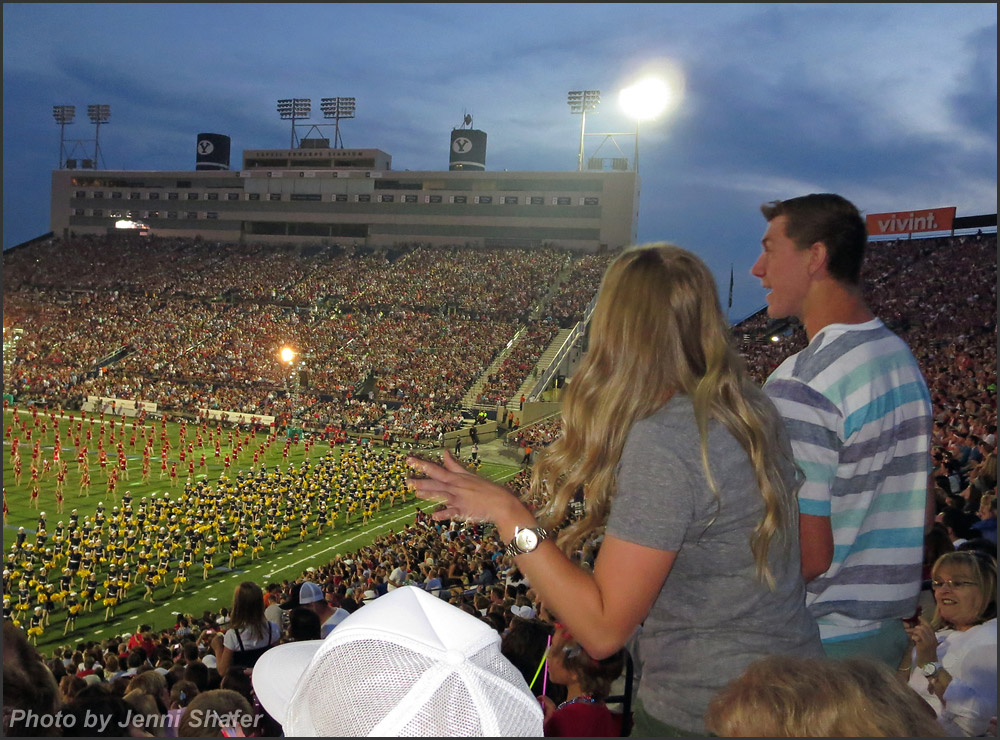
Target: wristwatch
{"x":526,"y":539}
{"x":930,"y":669}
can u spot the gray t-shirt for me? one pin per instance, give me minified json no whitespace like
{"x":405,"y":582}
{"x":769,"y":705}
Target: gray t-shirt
{"x":713,"y":617}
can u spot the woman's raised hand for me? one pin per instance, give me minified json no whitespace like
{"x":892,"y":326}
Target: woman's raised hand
{"x":465,"y":495}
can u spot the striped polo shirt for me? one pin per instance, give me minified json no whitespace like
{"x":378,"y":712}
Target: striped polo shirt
{"x":858,"y":413}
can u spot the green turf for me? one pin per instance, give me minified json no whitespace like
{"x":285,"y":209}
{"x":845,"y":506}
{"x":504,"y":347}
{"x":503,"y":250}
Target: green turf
{"x":289,"y":559}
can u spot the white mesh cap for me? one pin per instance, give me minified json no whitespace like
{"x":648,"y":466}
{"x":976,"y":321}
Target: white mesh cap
{"x":407,"y":664}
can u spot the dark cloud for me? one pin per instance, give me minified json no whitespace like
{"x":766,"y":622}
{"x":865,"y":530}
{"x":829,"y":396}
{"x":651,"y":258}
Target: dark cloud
{"x":974,"y":102}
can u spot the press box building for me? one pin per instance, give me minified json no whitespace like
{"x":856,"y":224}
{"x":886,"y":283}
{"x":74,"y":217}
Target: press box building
{"x":320,"y":195}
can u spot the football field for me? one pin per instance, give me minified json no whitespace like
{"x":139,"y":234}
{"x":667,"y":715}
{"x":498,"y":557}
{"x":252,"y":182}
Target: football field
{"x":287,"y":560}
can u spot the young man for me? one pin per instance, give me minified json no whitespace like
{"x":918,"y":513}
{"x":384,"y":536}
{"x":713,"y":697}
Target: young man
{"x":858,"y":413}
{"x":309,"y":595}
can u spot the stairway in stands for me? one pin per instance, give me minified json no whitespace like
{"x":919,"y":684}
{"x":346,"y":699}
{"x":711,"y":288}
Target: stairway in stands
{"x":546,"y":358}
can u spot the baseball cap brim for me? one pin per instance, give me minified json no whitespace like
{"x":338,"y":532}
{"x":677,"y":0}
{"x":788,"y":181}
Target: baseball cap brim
{"x":277,"y":672}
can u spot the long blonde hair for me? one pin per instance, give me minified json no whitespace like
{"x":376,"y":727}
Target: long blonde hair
{"x":658,"y":329}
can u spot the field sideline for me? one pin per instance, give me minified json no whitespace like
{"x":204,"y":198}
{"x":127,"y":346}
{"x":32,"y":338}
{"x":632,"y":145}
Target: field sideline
{"x":289,"y":559}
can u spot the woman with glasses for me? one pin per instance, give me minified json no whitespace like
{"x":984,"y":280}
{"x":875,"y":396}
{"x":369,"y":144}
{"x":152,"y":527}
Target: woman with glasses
{"x":686,"y":470}
{"x":952,"y":662}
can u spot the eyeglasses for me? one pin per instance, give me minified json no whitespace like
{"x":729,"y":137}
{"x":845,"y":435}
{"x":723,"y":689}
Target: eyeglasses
{"x":936,"y":584}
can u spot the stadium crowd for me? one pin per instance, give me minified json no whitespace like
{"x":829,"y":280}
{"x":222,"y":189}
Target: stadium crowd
{"x":424,"y":322}
{"x":200,"y":325}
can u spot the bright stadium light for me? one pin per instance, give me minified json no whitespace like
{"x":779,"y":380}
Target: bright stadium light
{"x":645,"y":99}
{"x":582,"y":101}
{"x":642,"y":101}
{"x":64,"y":114}
{"x":337,"y":108}
{"x":287,"y":355}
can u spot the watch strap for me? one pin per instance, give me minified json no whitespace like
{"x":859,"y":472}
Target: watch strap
{"x":931,"y":669}
{"x":512,"y":548}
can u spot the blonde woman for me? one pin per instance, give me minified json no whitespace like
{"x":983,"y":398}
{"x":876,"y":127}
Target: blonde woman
{"x":952,"y":661}
{"x":685,"y":468}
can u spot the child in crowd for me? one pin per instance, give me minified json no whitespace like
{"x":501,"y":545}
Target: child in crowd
{"x":588,"y":683}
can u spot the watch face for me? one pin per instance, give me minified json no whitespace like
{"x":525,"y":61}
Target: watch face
{"x":526,"y":540}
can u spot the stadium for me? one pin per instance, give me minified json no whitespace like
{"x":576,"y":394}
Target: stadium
{"x":228,"y":392}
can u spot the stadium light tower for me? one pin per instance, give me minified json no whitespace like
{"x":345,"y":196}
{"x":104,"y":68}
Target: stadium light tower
{"x":98,"y":114}
{"x":644,"y":100}
{"x":337,"y":108}
{"x":63,"y":114}
{"x":582,"y":101}
{"x":294,"y":109}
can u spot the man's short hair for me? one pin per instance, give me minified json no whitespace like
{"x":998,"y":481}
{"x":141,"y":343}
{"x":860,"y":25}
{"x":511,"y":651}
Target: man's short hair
{"x":827,"y":218}
{"x":136,"y":658}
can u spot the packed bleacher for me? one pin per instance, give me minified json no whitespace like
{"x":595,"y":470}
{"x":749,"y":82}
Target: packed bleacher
{"x":203,"y":324}
{"x":199,"y":324}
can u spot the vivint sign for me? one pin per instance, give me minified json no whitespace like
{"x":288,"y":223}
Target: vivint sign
{"x":911,"y":222}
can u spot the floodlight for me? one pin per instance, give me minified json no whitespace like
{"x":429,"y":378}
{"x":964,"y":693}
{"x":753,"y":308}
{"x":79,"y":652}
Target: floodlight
{"x":337,"y":108}
{"x":582,"y":101}
{"x":99,"y":113}
{"x":645,"y":99}
{"x":64,"y":113}
{"x":294,"y":108}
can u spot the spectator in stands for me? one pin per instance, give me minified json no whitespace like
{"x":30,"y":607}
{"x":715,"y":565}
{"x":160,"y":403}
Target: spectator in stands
{"x":683,"y":458}
{"x":154,"y":684}
{"x":236,"y":679}
{"x":303,"y":624}
{"x":433,"y":583}
{"x":957,"y":523}
{"x":952,"y":662}
{"x":272,"y":595}
{"x":986,"y":527}
{"x":218,"y":713}
{"x":181,"y":694}
{"x":114,"y":717}
{"x":136,"y":660}
{"x":859,"y":453}
{"x":783,"y":696}
{"x":308,"y":595}
{"x":249,"y":634}
{"x":147,"y":716}
{"x":143,"y":639}
{"x":588,"y":684}
{"x":27,"y":685}
{"x":201,"y":675}
{"x":70,"y":686}
{"x":524,"y":644}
